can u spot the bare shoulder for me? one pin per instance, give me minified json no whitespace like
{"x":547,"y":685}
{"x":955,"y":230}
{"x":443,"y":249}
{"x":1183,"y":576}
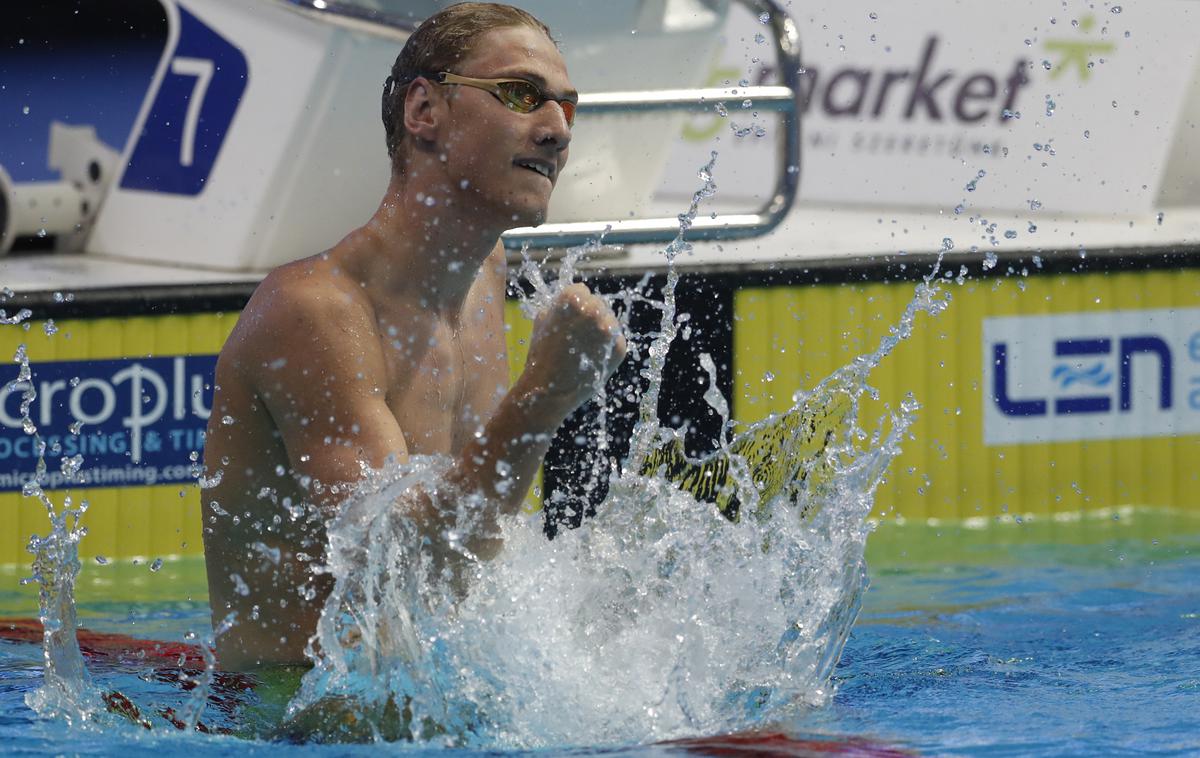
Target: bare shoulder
{"x":306,"y":310}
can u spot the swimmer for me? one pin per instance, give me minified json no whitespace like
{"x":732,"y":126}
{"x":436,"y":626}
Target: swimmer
{"x":391,"y":343}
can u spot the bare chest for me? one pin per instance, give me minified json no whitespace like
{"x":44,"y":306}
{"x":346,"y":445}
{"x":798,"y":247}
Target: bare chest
{"x":440,"y":388}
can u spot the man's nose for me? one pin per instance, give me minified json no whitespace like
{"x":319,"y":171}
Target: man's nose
{"x":553,"y":127}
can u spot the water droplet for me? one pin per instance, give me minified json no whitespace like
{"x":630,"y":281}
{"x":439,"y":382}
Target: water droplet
{"x":49,"y":327}
{"x":989,"y":260}
{"x":947,"y":244}
{"x":760,"y":39}
{"x":873,"y":15}
{"x":71,"y":466}
{"x":1035,"y":205}
{"x":25,"y":110}
{"x":1050,"y":105}
{"x":1159,"y":217}
{"x":239,"y":585}
{"x":1087,"y":133}
{"x":227,"y":420}
{"x":747,"y":103}
{"x":1046,"y":65}
{"x":721,"y":110}
{"x":1032,"y":228}
{"x":209,"y":482}
{"x":156,"y":565}
{"x":1011,"y":234}
{"x":958,"y":209}
{"x":764,"y":18}
{"x":1116,"y":9}
{"x":768,"y":377}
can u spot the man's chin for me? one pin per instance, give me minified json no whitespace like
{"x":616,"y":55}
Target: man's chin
{"x":535,"y":217}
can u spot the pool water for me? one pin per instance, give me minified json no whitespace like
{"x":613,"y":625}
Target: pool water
{"x":993,"y":642}
{"x":1052,"y":650}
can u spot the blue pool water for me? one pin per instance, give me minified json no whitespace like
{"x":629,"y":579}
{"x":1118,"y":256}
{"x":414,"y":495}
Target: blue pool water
{"x":1032,"y":649}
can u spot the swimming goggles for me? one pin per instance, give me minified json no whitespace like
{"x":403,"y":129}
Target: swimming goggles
{"x":517,"y":94}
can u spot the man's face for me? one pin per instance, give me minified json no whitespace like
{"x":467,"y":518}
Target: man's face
{"x":490,"y":147}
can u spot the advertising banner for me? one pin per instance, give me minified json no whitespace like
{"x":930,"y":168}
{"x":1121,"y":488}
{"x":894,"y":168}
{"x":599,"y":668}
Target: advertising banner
{"x":1093,"y":376}
{"x":1001,"y":105}
{"x":108,"y":423}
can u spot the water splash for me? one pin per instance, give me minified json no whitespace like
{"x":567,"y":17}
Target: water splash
{"x":658,"y":618}
{"x":67,"y":690}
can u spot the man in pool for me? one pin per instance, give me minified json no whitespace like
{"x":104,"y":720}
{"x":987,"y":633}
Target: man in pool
{"x":391,"y":343}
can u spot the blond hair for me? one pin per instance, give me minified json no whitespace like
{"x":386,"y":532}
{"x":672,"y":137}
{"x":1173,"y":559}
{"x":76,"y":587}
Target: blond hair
{"x":441,"y":41}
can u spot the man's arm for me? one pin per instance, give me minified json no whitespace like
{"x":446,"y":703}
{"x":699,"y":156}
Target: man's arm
{"x":316,"y":364}
{"x":323,"y":378}
{"x":575,"y":346}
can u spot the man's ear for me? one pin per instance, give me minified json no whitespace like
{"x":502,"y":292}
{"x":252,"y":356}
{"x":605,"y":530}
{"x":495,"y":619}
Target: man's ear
{"x":420,"y":102}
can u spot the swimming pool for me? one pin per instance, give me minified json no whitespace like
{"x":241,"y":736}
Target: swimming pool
{"x":972,"y":641}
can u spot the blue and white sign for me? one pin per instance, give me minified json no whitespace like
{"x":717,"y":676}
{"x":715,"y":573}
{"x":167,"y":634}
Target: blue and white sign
{"x":191,"y":114}
{"x":1091,"y":376}
{"x":133,"y":421}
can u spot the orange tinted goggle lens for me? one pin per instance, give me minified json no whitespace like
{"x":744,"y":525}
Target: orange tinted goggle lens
{"x":568,"y":111}
{"x":524,"y":97}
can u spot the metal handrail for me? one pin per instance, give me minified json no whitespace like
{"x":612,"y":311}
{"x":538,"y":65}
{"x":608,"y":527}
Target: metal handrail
{"x":785,"y":99}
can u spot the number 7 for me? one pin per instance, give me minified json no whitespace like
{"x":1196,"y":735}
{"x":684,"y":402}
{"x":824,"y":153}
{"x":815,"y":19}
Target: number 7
{"x":202,"y":69}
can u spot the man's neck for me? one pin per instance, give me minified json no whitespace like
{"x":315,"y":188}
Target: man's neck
{"x":424,"y":242}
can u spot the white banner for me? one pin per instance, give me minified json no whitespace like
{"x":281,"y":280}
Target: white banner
{"x":1016,"y":105}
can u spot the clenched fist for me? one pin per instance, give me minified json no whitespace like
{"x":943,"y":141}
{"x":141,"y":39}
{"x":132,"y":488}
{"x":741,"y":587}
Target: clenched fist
{"x":576,"y":345}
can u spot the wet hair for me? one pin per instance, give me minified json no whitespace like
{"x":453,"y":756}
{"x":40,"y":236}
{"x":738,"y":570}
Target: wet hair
{"x":441,"y":41}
